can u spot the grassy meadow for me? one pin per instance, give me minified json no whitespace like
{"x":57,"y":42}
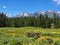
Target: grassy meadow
{"x":17,"y":36}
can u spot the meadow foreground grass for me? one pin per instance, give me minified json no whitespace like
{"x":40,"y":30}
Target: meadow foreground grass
{"x":17,"y":36}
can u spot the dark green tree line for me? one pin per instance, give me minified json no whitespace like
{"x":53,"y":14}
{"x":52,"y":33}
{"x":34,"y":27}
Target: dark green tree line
{"x":42,"y":21}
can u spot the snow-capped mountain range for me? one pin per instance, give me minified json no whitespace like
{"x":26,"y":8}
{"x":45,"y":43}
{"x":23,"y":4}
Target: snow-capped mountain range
{"x":26,"y":14}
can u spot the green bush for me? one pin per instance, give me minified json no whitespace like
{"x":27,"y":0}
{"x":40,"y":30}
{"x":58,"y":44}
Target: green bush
{"x":46,"y":41}
{"x":50,"y":40}
{"x":57,"y":43}
{"x":46,"y":34}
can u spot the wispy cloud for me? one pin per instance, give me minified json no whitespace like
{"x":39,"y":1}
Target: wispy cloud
{"x":57,"y":1}
{"x":4,"y":7}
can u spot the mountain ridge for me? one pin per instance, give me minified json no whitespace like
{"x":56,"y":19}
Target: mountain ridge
{"x":50,"y":13}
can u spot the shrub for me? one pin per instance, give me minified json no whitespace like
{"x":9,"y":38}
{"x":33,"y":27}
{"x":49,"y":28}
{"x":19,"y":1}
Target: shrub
{"x":50,"y":40}
{"x":46,"y":34}
{"x":5,"y":42}
{"x":18,"y":43}
{"x":46,"y":41}
{"x":57,"y":43}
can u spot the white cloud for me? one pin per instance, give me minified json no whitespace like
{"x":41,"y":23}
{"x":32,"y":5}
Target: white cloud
{"x":58,"y":12}
{"x":57,"y":1}
{"x":4,"y":7}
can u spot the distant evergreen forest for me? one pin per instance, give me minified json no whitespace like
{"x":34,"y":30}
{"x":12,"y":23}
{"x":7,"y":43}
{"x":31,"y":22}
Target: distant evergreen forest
{"x":42,"y":21}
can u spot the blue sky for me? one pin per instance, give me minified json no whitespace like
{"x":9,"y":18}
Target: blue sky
{"x":18,"y":6}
